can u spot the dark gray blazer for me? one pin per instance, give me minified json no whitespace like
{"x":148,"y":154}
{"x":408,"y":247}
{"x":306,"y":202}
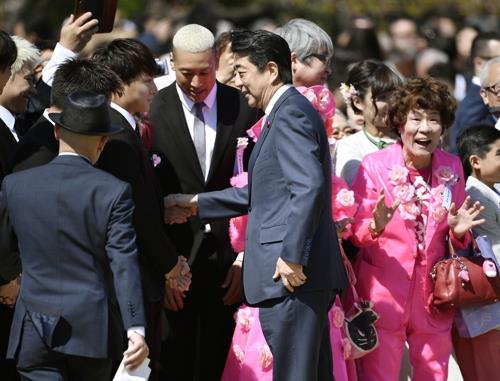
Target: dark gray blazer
{"x":288,"y":203}
{"x":73,"y":224}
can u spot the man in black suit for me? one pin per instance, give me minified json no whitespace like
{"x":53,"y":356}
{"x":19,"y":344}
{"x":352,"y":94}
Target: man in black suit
{"x":196,"y":123}
{"x":471,"y":109}
{"x":292,"y":264}
{"x":81,"y":284}
{"x":126,"y":158}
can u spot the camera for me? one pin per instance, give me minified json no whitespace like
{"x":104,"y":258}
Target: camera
{"x":161,"y":66}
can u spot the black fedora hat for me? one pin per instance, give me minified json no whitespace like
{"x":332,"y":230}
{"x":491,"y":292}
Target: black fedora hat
{"x":86,"y":113}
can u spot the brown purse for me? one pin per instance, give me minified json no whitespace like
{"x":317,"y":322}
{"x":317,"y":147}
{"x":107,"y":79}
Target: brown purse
{"x":452,"y":291}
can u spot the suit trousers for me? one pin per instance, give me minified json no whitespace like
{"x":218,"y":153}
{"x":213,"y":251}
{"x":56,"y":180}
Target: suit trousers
{"x":428,"y":336}
{"x":37,"y":363}
{"x":297,"y":331}
{"x":478,"y":357}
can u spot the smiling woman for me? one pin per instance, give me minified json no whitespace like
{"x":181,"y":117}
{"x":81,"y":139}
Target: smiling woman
{"x":407,"y":195}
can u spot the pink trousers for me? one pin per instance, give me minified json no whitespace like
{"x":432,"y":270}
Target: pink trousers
{"x":428,"y":334}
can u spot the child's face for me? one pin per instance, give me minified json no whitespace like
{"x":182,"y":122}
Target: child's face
{"x":489,"y":165}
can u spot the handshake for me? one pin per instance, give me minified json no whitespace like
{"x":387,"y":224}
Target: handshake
{"x":179,"y":207}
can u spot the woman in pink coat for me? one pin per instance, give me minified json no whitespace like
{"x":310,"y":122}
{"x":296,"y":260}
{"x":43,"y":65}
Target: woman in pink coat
{"x":408,"y":196}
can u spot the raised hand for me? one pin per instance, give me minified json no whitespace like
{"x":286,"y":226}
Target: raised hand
{"x":382,"y":214}
{"x":136,"y":352}
{"x":462,"y":220}
{"x":76,"y":33}
{"x":291,"y":274}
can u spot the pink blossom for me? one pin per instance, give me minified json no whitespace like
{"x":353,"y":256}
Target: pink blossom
{"x":321,"y":99}
{"x":409,"y":211}
{"x":346,"y":348}
{"x":240,"y":180}
{"x":404,"y":192}
{"x":238,"y":353}
{"x":343,"y":202}
{"x":311,"y":97}
{"x":155,"y":159}
{"x":438,"y":212}
{"x":345,"y":198}
{"x":464,"y":275}
{"x":244,"y":318}
{"x":265,"y":356}
{"x":446,"y":175}
{"x":338,"y":316}
{"x":241,"y":143}
{"x":398,"y":175}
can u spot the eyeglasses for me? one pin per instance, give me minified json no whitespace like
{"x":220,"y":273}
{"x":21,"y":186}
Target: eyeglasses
{"x":494,"y":89}
{"x":322,"y":57}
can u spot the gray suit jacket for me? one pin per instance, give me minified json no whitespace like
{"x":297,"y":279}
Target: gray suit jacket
{"x":288,"y":203}
{"x":73,"y":224}
{"x":491,"y":213}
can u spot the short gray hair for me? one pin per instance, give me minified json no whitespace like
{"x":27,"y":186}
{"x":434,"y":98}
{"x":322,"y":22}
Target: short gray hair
{"x":306,"y":38}
{"x":485,"y":71}
{"x":193,"y":38}
{"x":27,"y":55}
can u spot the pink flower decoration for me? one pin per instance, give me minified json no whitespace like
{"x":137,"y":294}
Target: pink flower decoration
{"x":155,"y":159}
{"x":464,"y":275}
{"x":338,"y":317}
{"x":439,"y":212}
{"x":404,"y":192}
{"x":321,"y":98}
{"x":265,"y":357}
{"x":244,"y":318}
{"x":238,"y":353}
{"x":343,"y":203}
{"x":240,"y":180}
{"x":398,"y":175}
{"x":345,"y":197}
{"x":346,"y":348}
{"x":409,"y":211}
{"x":446,"y":176}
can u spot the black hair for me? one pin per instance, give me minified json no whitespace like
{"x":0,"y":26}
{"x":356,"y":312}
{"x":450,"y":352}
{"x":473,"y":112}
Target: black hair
{"x":262,"y":47}
{"x":8,"y":50}
{"x":374,"y":75}
{"x":479,"y":47}
{"x":83,"y":74}
{"x":128,"y":58}
{"x":476,"y":140}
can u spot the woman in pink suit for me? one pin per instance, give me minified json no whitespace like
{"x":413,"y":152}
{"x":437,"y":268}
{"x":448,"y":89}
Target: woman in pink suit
{"x":408,"y":195}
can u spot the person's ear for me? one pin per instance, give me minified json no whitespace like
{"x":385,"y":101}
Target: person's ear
{"x":475,"y":162}
{"x":57,"y":133}
{"x":295,"y":62}
{"x":484,"y":95}
{"x":102,"y":142}
{"x":172,"y":61}
{"x":356,"y":101}
{"x":273,"y":70}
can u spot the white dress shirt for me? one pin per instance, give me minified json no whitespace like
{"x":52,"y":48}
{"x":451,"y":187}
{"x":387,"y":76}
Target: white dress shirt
{"x":128,"y":116}
{"x":275,"y":98}
{"x":210,"y":116}
{"x":10,"y":120}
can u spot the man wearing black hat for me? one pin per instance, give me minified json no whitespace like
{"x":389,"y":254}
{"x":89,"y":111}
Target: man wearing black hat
{"x":81,"y":286}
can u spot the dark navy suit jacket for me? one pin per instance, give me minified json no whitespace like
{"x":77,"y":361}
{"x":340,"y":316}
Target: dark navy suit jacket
{"x":288,"y":202}
{"x":73,"y":224}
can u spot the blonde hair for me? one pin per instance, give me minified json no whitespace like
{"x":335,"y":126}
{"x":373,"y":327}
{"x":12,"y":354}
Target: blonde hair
{"x":193,"y":38}
{"x":27,"y":55}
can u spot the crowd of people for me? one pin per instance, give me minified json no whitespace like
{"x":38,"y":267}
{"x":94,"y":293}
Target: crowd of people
{"x":217,"y":208}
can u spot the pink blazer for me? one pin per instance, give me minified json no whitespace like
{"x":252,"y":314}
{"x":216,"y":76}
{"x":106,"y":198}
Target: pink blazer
{"x":386,"y":264}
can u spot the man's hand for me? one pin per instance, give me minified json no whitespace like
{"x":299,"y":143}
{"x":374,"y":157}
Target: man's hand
{"x":75,"y":34}
{"x":177,"y":215}
{"x":173,"y":298}
{"x":183,"y":200}
{"x":462,"y":220}
{"x":233,"y":284}
{"x":291,"y":274}
{"x":9,"y":292}
{"x":137,"y":351}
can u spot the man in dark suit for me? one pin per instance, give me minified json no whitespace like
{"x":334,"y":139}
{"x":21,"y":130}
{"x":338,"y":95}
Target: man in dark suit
{"x":77,"y":246}
{"x":196,"y":123}
{"x":126,"y":158}
{"x":471,"y":109}
{"x":290,"y":234}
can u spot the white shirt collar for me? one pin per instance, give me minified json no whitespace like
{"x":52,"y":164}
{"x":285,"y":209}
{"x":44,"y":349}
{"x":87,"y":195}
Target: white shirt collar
{"x":275,"y":98}
{"x":74,"y":154}
{"x":476,"y":81}
{"x":188,"y":103}
{"x":128,"y":116}
{"x":46,"y":115}
{"x":473,"y":182}
{"x":9,"y":119}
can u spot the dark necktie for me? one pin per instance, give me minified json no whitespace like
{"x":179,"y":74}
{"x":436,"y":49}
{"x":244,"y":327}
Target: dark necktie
{"x":199,"y":135}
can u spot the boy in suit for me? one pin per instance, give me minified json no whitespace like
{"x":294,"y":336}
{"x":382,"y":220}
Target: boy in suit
{"x":81,"y":285}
